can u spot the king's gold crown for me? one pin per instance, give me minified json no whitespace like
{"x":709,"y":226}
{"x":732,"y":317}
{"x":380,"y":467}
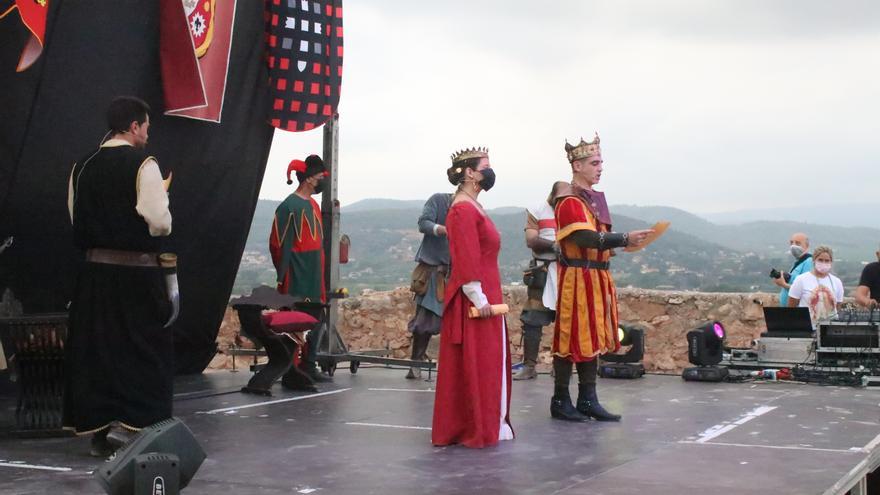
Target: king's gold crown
{"x":469,"y":153}
{"x":583,"y":149}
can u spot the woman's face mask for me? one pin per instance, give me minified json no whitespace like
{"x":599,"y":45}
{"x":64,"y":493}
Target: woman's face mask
{"x":823,"y":267}
{"x":488,"y":179}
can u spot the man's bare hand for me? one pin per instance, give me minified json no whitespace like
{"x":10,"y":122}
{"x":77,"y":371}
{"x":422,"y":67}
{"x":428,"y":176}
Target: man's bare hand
{"x":637,"y":237}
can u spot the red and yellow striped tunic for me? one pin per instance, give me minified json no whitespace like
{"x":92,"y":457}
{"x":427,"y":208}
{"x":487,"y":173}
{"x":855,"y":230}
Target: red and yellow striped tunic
{"x":586,"y":307}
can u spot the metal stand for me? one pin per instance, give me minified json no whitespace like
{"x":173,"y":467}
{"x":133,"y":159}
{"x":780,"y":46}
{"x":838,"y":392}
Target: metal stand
{"x":37,"y":342}
{"x":331,"y":348}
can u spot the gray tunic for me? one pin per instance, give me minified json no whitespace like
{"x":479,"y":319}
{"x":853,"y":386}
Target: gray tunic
{"x":434,"y":249}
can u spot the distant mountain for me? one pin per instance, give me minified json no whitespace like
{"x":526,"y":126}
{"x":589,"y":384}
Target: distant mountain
{"x":843,"y":215}
{"x":695,"y":254}
{"x":374,"y":204}
{"x":383,"y":204}
{"x":768,"y":238}
{"x":508,"y":210}
{"x":680,"y":219}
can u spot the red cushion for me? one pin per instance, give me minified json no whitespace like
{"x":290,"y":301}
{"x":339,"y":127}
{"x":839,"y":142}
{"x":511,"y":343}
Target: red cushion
{"x":289,"y":321}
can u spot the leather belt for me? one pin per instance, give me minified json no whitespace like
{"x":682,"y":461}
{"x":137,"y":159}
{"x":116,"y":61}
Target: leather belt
{"x":125,"y":258}
{"x":589,"y":264}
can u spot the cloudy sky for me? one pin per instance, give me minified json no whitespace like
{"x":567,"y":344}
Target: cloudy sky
{"x":705,"y":105}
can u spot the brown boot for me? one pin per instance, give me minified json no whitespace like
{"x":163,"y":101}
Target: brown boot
{"x":414,"y":373}
{"x":419,"y":346}
{"x":531,"y":345}
{"x":527,"y":372}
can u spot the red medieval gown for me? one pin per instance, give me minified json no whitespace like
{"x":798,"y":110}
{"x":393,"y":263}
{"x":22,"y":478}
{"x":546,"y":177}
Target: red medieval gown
{"x":472,"y":402}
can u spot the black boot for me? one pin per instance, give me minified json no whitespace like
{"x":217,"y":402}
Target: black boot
{"x":560,"y":405}
{"x":588,"y":404}
{"x":562,"y":408}
{"x":100,"y":447}
{"x":308,"y":365}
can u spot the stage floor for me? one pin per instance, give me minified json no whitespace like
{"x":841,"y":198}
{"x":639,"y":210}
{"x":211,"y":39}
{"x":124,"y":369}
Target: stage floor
{"x":370,"y":433}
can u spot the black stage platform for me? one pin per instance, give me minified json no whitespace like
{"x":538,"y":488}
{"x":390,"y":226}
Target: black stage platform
{"x":370,"y":433}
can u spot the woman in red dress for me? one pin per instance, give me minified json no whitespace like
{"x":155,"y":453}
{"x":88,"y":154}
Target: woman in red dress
{"x":472,"y":401}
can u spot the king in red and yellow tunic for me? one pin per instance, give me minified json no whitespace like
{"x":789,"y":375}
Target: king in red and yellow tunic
{"x":586,"y":308}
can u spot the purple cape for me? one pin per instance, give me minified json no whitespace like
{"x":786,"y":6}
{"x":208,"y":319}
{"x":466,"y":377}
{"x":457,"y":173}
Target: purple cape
{"x":597,"y":205}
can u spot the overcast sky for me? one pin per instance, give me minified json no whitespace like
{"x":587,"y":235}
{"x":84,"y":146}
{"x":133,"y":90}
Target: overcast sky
{"x":704,"y":105}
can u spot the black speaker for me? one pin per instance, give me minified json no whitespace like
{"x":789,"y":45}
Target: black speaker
{"x":705,"y":374}
{"x":171,"y":436}
{"x":629,"y":335}
{"x":706,"y":344}
{"x":156,"y":474}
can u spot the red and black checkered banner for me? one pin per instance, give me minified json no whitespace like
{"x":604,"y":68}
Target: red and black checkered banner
{"x":304,"y":39}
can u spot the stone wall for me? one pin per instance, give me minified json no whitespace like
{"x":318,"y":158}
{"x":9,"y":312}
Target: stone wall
{"x":376,"y":320}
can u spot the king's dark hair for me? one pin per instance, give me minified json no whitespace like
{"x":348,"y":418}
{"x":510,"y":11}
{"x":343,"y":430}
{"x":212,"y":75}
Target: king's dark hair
{"x":124,"y":110}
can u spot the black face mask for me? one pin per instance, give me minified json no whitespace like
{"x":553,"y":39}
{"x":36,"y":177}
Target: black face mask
{"x":319,"y":187}
{"x":488,"y":179}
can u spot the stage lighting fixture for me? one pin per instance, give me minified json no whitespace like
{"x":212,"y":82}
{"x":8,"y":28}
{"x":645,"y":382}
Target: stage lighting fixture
{"x":705,"y":349}
{"x":626,"y":365}
{"x":175,"y":449}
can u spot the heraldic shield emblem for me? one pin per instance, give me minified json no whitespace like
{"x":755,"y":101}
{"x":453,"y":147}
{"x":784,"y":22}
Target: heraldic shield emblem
{"x":200,"y":18}
{"x":304,"y":40}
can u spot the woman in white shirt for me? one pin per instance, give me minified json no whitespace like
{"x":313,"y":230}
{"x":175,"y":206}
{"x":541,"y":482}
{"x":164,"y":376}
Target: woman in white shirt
{"x":818,"y":289}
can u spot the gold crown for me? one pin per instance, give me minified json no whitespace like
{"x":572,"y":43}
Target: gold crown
{"x":469,"y":153}
{"x":583,"y":149}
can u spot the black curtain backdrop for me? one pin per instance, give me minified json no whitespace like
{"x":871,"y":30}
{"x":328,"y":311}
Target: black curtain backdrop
{"x":53,"y":114}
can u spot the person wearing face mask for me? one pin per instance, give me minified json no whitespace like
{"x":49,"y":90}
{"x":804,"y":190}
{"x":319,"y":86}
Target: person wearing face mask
{"x":799,"y":248}
{"x":586,"y":307}
{"x":472,"y":400}
{"x":296,"y":244}
{"x":818,"y":289}
{"x":868,"y":291}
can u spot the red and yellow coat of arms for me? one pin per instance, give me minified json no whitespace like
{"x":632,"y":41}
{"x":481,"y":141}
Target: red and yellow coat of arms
{"x":200,"y":17}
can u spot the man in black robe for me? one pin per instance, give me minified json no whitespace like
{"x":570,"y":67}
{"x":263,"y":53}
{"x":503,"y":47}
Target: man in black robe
{"x":119,"y":354}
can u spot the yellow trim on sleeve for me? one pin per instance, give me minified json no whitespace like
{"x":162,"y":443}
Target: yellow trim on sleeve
{"x":572,"y":227}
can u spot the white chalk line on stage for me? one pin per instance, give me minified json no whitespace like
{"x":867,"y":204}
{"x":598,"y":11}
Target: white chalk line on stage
{"x":34,"y":466}
{"x":431,"y":390}
{"x":270,"y":402}
{"x":718,"y":430}
{"x":380,"y":425}
{"x":781,"y":447}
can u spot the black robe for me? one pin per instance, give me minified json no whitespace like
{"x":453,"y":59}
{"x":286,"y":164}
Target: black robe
{"x":119,"y":359}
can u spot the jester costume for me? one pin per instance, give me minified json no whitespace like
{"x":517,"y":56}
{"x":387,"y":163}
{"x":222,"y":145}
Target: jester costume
{"x":296,"y":244}
{"x":297,"y":248}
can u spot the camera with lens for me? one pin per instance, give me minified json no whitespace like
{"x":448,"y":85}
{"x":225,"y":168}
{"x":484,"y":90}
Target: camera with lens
{"x":774,"y":273}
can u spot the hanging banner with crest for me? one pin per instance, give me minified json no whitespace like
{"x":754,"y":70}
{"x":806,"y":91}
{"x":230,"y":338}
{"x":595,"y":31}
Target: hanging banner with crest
{"x":194,"y":47}
{"x":33,"y":14}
